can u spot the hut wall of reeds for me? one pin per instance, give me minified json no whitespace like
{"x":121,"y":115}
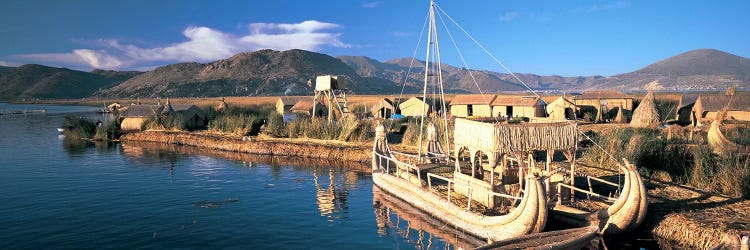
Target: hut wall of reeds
{"x":383,"y":109}
{"x":518,"y":106}
{"x":472,"y":106}
{"x":414,"y":107}
{"x":514,"y":137}
{"x":285,"y":103}
{"x":561,"y":109}
{"x":707,"y":108}
{"x":646,"y":115}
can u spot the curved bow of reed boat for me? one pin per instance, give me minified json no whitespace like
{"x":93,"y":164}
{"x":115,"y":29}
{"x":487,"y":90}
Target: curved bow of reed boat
{"x":529,"y":216}
{"x":629,"y":210}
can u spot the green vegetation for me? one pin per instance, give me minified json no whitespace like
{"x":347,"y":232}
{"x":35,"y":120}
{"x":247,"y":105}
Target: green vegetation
{"x":350,"y":130}
{"x":78,"y":127}
{"x":238,"y":120}
{"x":167,"y":122}
{"x":673,"y":160}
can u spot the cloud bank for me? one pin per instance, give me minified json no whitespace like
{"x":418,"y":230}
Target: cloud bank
{"x":201,"y":44}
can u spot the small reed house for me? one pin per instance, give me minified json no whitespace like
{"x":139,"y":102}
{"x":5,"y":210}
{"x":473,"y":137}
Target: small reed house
{"x":562,"y":109}
{"x":133,"y":118}
{"x":707,"y":108}
{"x":605,"y":103}
{"x":306,"y":107}
{"x":415,"y":106}
{"x":285,"y":103}
{"x":384,"y":109}
{"x":472,"y":105}
{"x":518,"y":106}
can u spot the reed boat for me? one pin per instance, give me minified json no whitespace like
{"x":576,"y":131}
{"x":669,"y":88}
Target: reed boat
{"x":389,"y":209}
{"x":573,"y":239}
{"x":625,"y":213}
{"x":405,"y":181}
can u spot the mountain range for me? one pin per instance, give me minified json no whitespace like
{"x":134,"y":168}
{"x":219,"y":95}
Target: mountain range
{"x":292,"y":72}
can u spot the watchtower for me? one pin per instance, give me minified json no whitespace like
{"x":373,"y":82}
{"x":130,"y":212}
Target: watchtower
{"x":333,"y":89}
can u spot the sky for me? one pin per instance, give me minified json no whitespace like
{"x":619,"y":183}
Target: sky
{"x":568,"y":38}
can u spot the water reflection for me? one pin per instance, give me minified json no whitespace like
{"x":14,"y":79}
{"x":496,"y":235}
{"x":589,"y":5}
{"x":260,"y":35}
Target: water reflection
{"x":396,"y":217}
{"x":330,"y":199}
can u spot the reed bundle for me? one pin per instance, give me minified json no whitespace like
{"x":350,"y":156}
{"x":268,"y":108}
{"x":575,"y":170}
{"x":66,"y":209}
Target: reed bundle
{"x":646,"y":115}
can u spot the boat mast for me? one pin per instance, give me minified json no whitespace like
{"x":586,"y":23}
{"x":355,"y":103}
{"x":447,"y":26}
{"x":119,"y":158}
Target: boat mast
{"x":431,"y":32}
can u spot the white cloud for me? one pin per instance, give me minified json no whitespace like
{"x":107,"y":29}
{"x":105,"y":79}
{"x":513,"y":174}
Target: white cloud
{"x":371,"y":4}
{"x":202,"y":44}
{"x":9,"y":64}
{"x":509,"y":16}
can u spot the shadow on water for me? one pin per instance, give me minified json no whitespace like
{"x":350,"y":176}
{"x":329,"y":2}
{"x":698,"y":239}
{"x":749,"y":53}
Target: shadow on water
{"x":396,"y":217}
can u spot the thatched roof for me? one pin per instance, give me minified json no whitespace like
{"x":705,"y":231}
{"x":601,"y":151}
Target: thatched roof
{"x":646,"y":115}
{"x":718,"y":102}
{"x":603,"y":94}
{"x":292,"y":100}
{"x":142,"y":111}
{"x":505,"y":138}
{"x":383,"y":103}
{"x":686,"y":100}
{"x":305,"y":106}
{"x":528,"y":101}
{"x":472,"y":99}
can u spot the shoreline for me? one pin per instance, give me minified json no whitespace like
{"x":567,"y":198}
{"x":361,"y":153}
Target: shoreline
{"x":678,"y":214}
{"x":330,"y":150}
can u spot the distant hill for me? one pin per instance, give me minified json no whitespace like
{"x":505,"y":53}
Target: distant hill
{"x":292,"y":72}
{"x":703,"y":69}
{"x":459,"y":79}
{"x":43,"y":82}
{"x":264,"y":72}
{"x":5,"y":68}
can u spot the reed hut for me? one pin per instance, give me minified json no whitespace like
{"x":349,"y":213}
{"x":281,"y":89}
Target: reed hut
{"x":383,"y":109}
{"x":285,"y":103}
{"x":707,"y":108}
{"x":472,"y":105}
{"x":604,"y":101}
{"x":518,"y":106}
{"x":646,"y":115}
{"x":133,"y":118}
{"x":561,"y":109}
{"x":684,"y":110}
{"x":415,"y":106}
{"x":194,"y":116}
{"x":306,"y":107}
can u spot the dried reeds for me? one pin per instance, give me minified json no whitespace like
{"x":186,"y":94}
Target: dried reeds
{"x":646,"y":115}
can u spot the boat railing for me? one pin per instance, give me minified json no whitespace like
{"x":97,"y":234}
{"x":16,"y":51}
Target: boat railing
{"x":467,"y":186}
{"x":399,"y":164}
{"x":413,"y":159}
{"x":589,"y":193}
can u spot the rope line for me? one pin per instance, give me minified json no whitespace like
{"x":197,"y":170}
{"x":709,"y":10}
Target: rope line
{"x":511,"y":73}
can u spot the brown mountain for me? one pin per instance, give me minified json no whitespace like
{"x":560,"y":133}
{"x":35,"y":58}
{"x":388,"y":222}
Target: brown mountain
{"x":264,"y":72}
{"x":43,"y":82}
{"x":703,"y":69}
{"x":459,"y":79}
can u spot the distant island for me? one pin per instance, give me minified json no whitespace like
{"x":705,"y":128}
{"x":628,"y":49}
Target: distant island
{"x":291,"y":72}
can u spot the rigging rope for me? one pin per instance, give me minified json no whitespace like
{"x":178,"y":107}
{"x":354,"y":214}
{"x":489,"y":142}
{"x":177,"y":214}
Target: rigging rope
{"x":411,"y":63}
{"x":513,"y":74}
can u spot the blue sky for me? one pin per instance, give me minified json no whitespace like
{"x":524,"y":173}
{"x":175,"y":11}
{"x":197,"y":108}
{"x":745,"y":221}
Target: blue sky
{"x":568,"y":38}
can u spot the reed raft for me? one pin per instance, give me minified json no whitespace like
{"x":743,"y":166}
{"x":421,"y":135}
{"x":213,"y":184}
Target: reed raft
{"x":277,"y":147}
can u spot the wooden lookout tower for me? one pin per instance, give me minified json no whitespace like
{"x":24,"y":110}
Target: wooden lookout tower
{"x":333,"y":89}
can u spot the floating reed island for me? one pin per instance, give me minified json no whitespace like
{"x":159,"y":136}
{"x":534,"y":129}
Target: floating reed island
{"x":308,"y":148}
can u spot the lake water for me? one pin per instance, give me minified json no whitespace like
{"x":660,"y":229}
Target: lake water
{"x":59,"y":193}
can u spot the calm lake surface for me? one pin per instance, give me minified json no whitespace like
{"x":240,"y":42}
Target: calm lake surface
{"x":61,"y":193}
